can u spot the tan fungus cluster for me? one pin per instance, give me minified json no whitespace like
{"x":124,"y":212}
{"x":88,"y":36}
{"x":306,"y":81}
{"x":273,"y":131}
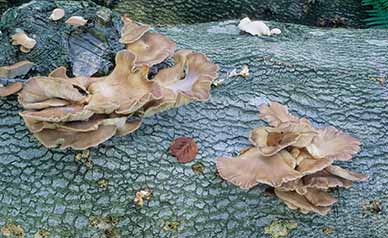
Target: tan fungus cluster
{"x":82,"y":112}
{"x":295,"y":158}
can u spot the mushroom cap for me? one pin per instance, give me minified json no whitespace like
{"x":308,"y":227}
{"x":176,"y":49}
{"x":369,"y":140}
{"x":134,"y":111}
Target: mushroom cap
{"x":276,"y":31}
{"x":21,"y":38}
{"x":275,"y":113}
{"x":294,"y":185}
{"x":77,"y":140}
{"x":251,"y":168}
{"x":325,"y":180}
{"x":57,"y":14}
{"x":152,"y":48}
{"x":19,"y":69}
{"x":76,"y":21}
{"x":297,"y":201}
{"x":40,"y":89}
{"x":132,"y":31}
{"x":125,"y":90}
{"x":309,"y":165}
{"x":332,"y":144}
{"x":254,"y":27}
{"x":346,"y":174}
{"x":59,"y":72}
{"x":302,"y":128}
{"x":10,"y":89}
{"x":59,"y":114}
{"x":270,"y":141}
{"x":319,"y":197}
{"x":52,"y":102}
{"x":189,"y":79}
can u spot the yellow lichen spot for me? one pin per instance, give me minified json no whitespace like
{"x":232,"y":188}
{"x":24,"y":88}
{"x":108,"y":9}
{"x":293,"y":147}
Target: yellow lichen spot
{"x":171,"y":225}
{"x":144,"y":194}
{"x":12,"y":230}
{"x":328,"y":230}
{"x":85,"y":154}
{"x":41,"y":234}
{"x":198,"y":168}
{"x":280,"y":228}
{"x":103,"y":183}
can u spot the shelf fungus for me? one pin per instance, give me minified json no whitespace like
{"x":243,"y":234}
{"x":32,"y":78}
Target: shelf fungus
{"x":258,"y":28}
{"x":295,"y":158}
{"x":20,"y":38}
{"x":82,"y":112}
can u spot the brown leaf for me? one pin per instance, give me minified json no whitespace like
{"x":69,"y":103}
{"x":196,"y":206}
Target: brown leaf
{"x":184,"y":149}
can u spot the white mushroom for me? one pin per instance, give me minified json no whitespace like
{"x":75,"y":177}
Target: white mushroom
{"x":76,"y":21}
{"x":57,"y":14}
{"x":258,"y":28}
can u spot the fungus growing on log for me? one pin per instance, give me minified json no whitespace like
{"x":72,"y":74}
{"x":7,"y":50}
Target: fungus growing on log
{"x":57,"y":14}
{"x":76,"y":21}
{"x":258,"y":28}
{"x":20,"y":38}
{"x":82,"y":112}
{"x":295,"y":158}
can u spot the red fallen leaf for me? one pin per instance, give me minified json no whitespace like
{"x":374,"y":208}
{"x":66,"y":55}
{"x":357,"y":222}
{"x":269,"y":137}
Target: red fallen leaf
{"x":184,"y":149}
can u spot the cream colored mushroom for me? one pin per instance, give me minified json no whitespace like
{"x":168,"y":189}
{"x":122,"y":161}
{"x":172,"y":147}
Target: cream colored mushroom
{"x":76,"y":21}
{"x":57,"y":14}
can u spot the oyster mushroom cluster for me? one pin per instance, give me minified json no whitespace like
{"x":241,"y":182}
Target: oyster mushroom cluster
{"x":82,"y":112}
{"x":295,"y":158}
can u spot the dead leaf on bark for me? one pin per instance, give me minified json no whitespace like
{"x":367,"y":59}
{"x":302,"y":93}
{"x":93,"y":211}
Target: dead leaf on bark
{"x":184,"y":149}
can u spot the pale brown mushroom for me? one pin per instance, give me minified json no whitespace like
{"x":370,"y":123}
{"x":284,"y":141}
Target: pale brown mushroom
{"x":152,"y":48}
{"x":295,"y":200}
{"x":52,"y":102}
{"x":324,"y":180}
{"x":252,"y":168}
{"x":132,"y":31}
{"x":332,"y":144}
{"x":275,"y":114}
{"x":309,"y":165}
{"x":40,"y":89}
{"x":77,"y":140}
{"x":59,"y":114}
{"x":21,"y":38}
{"x":59,"y":73}
{"x":346,"y":174}
{"x":19,"y":69}
{"x":189,"y":79}
{"x":57,"y":14}
{"x":125,"y":90}
{"x":76,"y":21}
{"x":319,"y":197}
{"x":270,"y":141}
{"x":10,"y":89}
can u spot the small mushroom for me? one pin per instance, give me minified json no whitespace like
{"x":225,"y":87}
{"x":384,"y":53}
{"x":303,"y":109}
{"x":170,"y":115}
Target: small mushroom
{"x":77,"y":140}
{"x":76,"y":21}
{"x":325,"y":180}
{"x":10,"y":89}
{"x":152,"y":48}
{"x":57,"y":14}
{"x":59,"y":114}
{"x":21,"y":38}
{"x":40,"y":89}
{"x":332,"y":144}
{"x":274,"y":113}
{"x":270,"y":141}
{"x":132,"y":31}
{"x":319,"y":197}
{"x":252,"y":168}
{"x":19,"y":69}
{"x":346,"y":174}
{"x":276,"y":31}
{"x":297,"y":201}
{"x":254,"y":27}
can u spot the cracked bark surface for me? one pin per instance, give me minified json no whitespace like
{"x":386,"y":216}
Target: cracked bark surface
{"x":318,"y":73}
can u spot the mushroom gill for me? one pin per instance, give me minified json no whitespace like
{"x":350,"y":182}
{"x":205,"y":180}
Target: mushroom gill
{"x":82,"y":112}
{"x":295,"y":158}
